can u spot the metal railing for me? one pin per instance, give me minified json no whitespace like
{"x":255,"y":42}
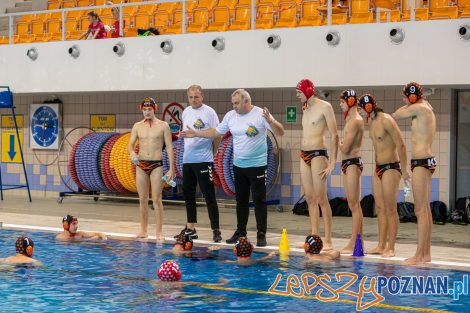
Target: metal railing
{"x":253,"y":14}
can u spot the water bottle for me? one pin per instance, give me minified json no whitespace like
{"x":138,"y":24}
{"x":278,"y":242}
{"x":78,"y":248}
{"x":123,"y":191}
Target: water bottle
{"x":135,"y":160}
{"x":169,"y":181}
{"x":407,"y":189}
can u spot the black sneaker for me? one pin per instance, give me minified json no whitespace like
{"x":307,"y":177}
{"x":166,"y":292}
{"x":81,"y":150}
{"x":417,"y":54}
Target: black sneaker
{"x":261,"y":239}
{"x":235,"y":237}
{"x":192,"y":233}
{"x":217,"y":235}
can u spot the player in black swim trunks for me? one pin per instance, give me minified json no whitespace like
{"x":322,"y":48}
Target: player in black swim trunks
{"x":351,"y":166}
{"x":390,"y":156}
{"x":152,"y":133}
{"x":318,"y":118}
{"x":423,"y":164}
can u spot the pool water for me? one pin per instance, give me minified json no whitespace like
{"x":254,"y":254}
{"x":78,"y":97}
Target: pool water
{"x":117,"y":276}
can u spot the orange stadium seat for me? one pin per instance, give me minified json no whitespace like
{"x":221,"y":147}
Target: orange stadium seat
{"x":221,"y":15}
{"x":147,"y":8}
{"x":464,"y":8}
{"x":53,"y":5}
{"x":360,"y":12}
{"x":68,"y":4}
{"x":241,"y":20}
{"x":442,"y":9}
{"x":287,"y":14}
{"x":142,"y":20}
{"x":421,"y":13}
{"x":22,"y":28}
{"x":200,"y":20}
{"x":265,"y":15}
{"x":4,"y":40}
{"x":388,"y":10}
{"x":175,"y":24}
{"x":75,"y":14}
{"x":85,"y":3}
{"x":54,"y":29}
{"x":220,"y":19}
{"x":309,"y":14}
{"x":28,"y":18}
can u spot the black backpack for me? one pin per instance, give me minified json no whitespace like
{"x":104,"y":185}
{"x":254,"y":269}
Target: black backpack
{"x":439,"y":212}
{"x":368,"y":206}
{"x":406,"y":212}
{"x":301,"y":207}
{"x":339,"y":207}
{"x":460,"y":215}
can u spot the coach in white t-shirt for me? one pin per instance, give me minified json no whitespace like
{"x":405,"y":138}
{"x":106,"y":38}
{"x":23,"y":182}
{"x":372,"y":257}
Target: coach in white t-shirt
{"x":198,"y":163}
{"x":249,"y":125}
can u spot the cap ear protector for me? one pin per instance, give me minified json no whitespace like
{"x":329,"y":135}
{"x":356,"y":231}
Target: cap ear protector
{"x":25,"y":245}
{"x":243,"y":247}
{"x":350,"y":97}
{"x":149,"y":103}
{"x":367,"y":103}
{"x":67,"y":220}
{"x":413,"y":92}
{"x":185,"y":241}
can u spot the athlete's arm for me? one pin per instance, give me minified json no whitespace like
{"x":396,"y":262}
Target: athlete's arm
{"x":169,"y":149}
{"x":93,"y":234}
{"x":132,"y":141}
{"x":332,"y":128}
{"x":348,"y":140}
{"x":392,"y":128}
{"x":406,"y":111}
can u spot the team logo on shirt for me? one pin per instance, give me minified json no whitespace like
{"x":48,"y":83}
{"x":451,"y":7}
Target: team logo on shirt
{"x":252,"y":131}
{"x":199,"y":124}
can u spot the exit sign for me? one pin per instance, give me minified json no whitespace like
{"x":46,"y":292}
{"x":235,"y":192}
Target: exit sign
{"x":291,"y":114}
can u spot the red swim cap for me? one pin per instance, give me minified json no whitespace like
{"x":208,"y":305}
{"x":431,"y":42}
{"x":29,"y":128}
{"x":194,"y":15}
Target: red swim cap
{"x":306,"y":86}
{"x":169,"y":271}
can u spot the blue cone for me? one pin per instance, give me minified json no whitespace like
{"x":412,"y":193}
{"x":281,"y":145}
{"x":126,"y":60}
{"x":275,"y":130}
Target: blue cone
{"x":358,"y":250}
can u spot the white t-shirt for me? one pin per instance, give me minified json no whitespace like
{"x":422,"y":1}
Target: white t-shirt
{"x":198,"y":150}
{"x":249,"y":137}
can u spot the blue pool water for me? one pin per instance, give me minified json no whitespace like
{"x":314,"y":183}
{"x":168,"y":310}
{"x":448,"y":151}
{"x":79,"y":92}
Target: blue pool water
{"x":115,"y":276}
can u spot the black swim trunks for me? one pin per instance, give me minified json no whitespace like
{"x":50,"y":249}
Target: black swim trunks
{"x":380,"y":169}
{"x":353,"y":161}
{"x":149,"y":166}
{"x":428,"y":163}
{"x":307,"y":156}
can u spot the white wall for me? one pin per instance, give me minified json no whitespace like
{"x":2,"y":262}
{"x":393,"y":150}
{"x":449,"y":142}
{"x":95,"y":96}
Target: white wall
{"x":432,"y":54}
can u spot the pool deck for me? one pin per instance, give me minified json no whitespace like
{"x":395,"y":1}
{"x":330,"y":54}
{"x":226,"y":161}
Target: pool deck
{"x":450,"y":243}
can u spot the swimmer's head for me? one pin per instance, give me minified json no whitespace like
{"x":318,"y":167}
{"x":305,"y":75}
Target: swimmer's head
{"x":25,"y":246}
{"x":305,"y":90}
{"x":148,"y":106}
{"x":313,"y":244}
{"x":243,"y":248}
{"x":70,"y":223}
{"x":368,"y":104}
{"x":184,"y":241}
{"x":169,"y":271}
{"x":412,"y":92}
{"x":348,"y":100}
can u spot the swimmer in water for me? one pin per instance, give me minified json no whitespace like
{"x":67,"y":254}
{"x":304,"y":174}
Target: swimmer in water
{"x":24,"y":252}
{"x":71,"y":233}
{"x":313,"y":246}
{"x":243,"y":250}
{"x":170,"y":275}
